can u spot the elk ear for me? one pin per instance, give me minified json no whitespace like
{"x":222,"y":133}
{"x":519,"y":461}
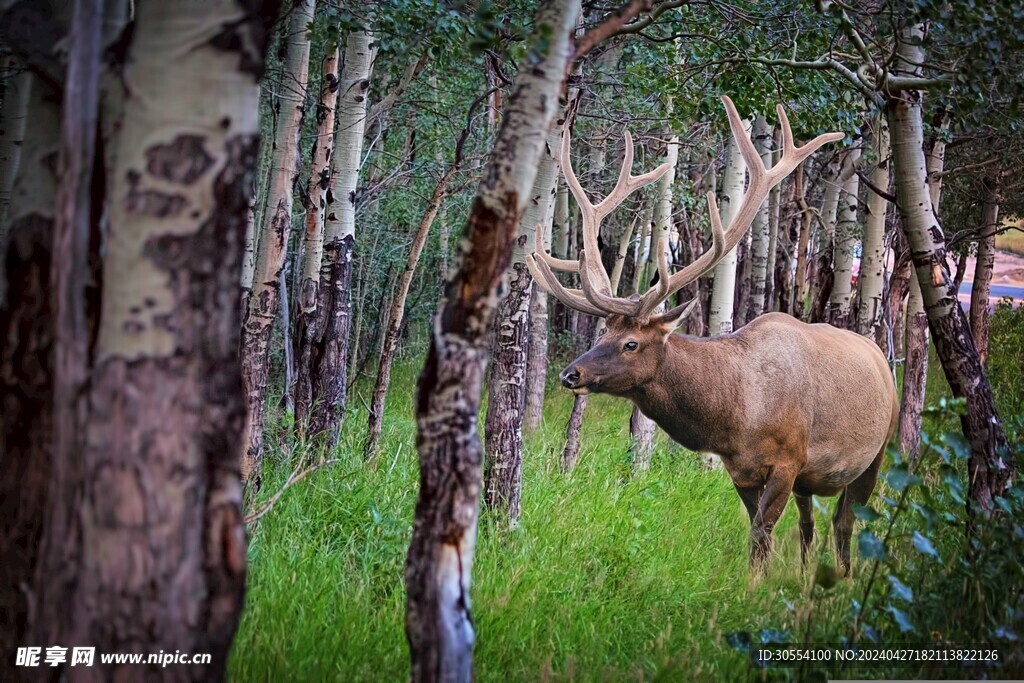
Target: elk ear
{"x":675,"y":317}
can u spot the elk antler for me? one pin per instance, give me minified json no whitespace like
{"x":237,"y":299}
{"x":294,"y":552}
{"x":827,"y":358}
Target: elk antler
{"x":596,"y":297}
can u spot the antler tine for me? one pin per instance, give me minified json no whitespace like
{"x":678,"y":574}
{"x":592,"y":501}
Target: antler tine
{"x":750,"y":154}
{"x":570,"y":297}
{"x":606,"y":302}
{"x":762,"y":180}
{"x":552,"y":262}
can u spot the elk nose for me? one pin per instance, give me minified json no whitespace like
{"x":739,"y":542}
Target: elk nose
{"x":570,"y":376}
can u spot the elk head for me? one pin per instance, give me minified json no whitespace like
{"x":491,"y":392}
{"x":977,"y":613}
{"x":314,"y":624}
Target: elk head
{"x":630,"y":353}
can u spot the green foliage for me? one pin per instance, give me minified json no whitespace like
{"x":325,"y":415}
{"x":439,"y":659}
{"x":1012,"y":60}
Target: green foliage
{"x":1006,"y":357}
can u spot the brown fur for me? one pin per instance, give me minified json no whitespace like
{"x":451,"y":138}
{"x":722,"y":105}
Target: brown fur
{"x":789,"y":407}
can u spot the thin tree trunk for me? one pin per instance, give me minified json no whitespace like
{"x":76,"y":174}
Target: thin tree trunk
{"x":803,"y":243}
{"x":641,"y":428}
{"x":13,"y":115}
{"x":396,"y":314}
{"x":329,"y":356}
{"x":316,"y":202}
{"x":872,"y":266}
{"x":760,"y":239}
{"x":984,"y":263}
{"x":263,"y":304}
{"x":537,"y":349}
{"x":438,"y":624}
{"x":771,"y":292}
{"x":503,"y":467}
{"x":844,"y":241}
{"x":723,"y":290}
{"x":989,"y":468}
{"x":915,"y":373}
{"x":155,"y":492}
{"x":27,"y":367}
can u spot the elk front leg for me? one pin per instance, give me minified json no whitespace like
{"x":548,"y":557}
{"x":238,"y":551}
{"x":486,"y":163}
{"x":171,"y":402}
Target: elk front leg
{"x":773,"y":502}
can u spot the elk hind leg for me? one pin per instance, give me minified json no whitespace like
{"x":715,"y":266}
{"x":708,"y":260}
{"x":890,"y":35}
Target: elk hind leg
{"x":806,"y":508}
{"x":858,"y":492}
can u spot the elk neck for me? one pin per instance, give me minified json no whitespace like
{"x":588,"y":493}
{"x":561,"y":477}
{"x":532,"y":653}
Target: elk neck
{"x":697,"y":393}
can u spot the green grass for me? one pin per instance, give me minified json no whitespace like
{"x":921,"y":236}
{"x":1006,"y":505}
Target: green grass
{"x":1012,"y":240}
{"x":611,"y":574}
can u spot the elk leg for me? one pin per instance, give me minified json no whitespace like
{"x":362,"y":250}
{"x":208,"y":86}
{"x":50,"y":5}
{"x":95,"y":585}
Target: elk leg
{"x":750,"y":495}
{"x":804,"y":505}
{"x":858,"y":491}
{"x":773,"y":502}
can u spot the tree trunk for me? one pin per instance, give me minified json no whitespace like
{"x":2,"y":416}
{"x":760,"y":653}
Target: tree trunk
{"x":872,"y":266}
{"x":263,"y":304}
{"x":27,"y":366}
{"x":641,"y":428}
{"x":723,"y":290}
{"x":844,"y":241}
{"x":503,"y":467}
{"x":328,"y":364}
{"x":989,"y":468}
{"x":985,"y":261}
{"x":438,"y":624}
{"x":761,"y":134}
{"x":144,"y":548}
{"x":13,"y":115}
{"x":915,"y":373}
{"x":771,"y":292}
{"x":315,"y":202}
{"x":803,"y":243}
{"x":537,"y":349}
{"x":396,"y":314}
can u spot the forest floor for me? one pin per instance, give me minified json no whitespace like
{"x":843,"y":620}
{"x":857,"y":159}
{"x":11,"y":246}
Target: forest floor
{"x":611,"y":574}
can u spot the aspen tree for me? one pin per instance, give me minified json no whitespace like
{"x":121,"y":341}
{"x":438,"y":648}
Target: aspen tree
{"x":263,"y":304}
{"x":981,"y":286}
{"x":149,"y":531}
{"x":761,"y":135}
{"x":870,"y":282}
{"x":316,"y":202}
{"x":438,"y":623}
{"x":724,"y":288}
{"x":843,"y":244}
{"x":328,"y":360}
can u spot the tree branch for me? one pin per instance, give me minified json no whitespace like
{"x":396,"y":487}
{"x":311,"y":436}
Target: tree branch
{"x":866,"y":179}
{"x":611,"y":25}
{"x":411,"y":71}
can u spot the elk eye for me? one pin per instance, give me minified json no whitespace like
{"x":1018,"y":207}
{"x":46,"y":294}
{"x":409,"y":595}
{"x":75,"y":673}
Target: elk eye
{"x":629,"y":346}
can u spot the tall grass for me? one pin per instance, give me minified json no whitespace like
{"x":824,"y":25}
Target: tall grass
{"x":612,"y":574}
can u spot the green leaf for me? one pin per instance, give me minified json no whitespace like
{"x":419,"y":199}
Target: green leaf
{"x":900,"y":589}
{"x":901,"y":619}
{"x":865,"y":513}
{"x":871,"y":547}
{"x":923,"y":545}
{"x":899,"y":478}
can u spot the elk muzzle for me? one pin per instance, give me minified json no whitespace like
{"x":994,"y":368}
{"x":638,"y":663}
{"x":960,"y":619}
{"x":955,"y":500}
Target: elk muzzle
{"x":572,"y":378}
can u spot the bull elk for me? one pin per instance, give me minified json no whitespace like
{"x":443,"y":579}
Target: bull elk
{"x":789,"y":407}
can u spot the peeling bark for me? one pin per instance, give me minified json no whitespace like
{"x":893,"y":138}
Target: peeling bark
{"x":328,"y":345}
{"x":989,"y":467}
{"x":438,"y":623}
{"x":145,"y":548}
{"x":264,"y":303}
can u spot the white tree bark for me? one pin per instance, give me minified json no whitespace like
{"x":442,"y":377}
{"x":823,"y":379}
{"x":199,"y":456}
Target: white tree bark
{"x":761,"y":134}
{"x":871,"y":281}
{"x":844,"y":242}
{"x":263,"y":301}
{"x":12,"y":134}
{"x":724,"y":289}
